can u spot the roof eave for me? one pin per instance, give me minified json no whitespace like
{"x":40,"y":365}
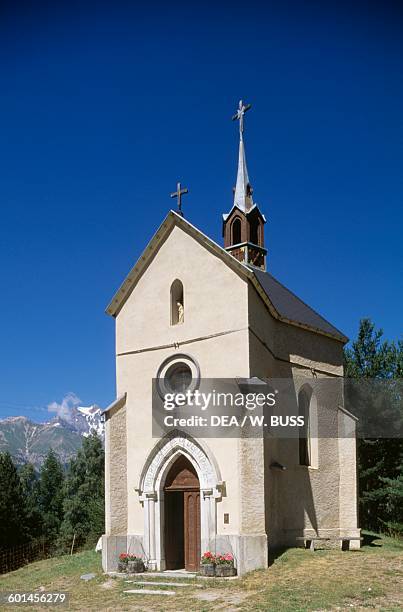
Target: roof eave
{"x":115,"y":405}
{"x":277,"y":315}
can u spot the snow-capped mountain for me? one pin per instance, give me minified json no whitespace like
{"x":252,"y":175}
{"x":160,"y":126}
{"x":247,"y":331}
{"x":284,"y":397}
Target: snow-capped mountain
{"x":30,"y":442}
{"x":92,"y":415}
{"x":84,"y":420}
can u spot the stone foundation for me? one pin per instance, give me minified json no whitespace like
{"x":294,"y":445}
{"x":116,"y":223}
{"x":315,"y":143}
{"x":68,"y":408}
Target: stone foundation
{"x":249,"y":551}
{"x":114,"y":545}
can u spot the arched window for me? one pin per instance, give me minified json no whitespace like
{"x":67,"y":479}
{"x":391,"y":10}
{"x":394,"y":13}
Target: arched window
{"x":308,"y":434}
{"x":177,"y":303}
{"x":254,"y":232}
{"x":304,"y":437}
{"x":236,"y":231}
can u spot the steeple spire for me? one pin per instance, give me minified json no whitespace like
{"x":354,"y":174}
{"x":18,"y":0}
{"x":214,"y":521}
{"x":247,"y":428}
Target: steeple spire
{"x":243,"y":226}
{"x":243,"y":190}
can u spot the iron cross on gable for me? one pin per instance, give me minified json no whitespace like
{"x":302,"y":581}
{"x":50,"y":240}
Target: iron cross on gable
{"x":178,"y":194}
{"x":240,"y":114}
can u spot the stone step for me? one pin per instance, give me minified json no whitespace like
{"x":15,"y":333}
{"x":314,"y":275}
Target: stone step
{"x":172,"y":574}
{"x":160,"y":583}
{"x":148,"y":592}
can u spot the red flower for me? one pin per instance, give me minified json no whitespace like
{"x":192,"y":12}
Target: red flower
{"x":226,"y":559}
{"x":208,"y":557}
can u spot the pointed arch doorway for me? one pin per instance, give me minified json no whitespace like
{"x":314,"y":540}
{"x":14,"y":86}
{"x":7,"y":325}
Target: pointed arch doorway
{"x":182,"y":516}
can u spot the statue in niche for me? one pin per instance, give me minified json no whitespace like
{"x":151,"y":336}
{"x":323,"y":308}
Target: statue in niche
{"x":181,"y":312}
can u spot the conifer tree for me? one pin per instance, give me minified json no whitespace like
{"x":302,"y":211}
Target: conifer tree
{"x":51,"y":496}
{"x":84,"y":495}
{"x":13,"y":522}
{"x":380,"y":460}
{"x":30,"y":487}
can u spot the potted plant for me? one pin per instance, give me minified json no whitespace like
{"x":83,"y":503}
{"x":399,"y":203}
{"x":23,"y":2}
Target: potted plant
{"x":225,"y":565}
{"x":135,"y":564}
{"x":122,"y":563}
{"x":207,"y":564}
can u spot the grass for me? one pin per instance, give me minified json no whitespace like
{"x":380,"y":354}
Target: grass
{"x":297,"y":580}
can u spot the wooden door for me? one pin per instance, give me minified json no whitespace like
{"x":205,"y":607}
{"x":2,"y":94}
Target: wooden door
{"x":182,"y":516}
{"x":192,"y":530}
{"x":174,"y":530}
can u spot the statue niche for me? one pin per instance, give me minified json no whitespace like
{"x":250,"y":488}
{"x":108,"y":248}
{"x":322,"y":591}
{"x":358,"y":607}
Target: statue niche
{"x":177,"y":303}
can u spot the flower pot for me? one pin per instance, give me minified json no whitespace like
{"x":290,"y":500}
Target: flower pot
{"x":135,"y":566}
{"x":207,"y":569}
{"x":122,"y":567}
{"x":224,"y":570}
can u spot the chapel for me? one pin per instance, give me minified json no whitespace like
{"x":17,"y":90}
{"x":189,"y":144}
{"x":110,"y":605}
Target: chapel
{"x":191,"y":309}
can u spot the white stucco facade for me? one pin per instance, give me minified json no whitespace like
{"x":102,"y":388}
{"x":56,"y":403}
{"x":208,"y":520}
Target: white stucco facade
{"x":230,"y":331}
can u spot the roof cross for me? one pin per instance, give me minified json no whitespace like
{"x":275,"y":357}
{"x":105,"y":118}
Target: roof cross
{"x":240,"y":115}
{"x":178,"y":194}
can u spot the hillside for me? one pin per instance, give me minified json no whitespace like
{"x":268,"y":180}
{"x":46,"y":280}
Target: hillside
{"x":298,"y":580}
{"x":27,"y":441}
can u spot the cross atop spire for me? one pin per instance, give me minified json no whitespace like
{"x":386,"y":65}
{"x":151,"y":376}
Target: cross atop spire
{"x":242,"y":108}
{"x":178,"y":194}
{"x":243,"y":189}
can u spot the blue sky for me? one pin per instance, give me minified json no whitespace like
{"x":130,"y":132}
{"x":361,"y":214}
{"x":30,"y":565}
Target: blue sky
{"x":105,"y":106}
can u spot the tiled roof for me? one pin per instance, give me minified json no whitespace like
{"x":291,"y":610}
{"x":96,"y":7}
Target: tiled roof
{"x":290,"y":307}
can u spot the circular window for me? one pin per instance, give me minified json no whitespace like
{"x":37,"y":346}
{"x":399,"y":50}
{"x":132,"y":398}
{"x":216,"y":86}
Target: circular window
{"x":178,"y":374}
{"x":178,"y":377}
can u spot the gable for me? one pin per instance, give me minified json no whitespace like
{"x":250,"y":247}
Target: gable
{"x":214,"y":297}
{"x":282,"y":303}
{"x":153,"y":247}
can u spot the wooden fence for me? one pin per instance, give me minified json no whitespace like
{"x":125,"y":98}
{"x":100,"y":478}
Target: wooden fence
{"x":13,"y":558}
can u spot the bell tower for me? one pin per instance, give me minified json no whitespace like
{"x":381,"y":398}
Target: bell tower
{"x":243,"y":226}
